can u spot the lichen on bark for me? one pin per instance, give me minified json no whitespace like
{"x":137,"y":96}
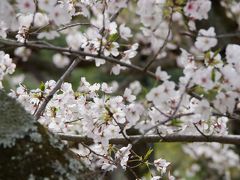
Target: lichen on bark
{"x":28,"y":150}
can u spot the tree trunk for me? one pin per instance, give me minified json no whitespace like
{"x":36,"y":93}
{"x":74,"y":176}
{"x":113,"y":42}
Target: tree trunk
{"x":28,"y":150}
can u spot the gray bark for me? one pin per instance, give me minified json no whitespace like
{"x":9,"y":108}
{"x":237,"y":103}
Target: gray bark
{"x":28,"y":150}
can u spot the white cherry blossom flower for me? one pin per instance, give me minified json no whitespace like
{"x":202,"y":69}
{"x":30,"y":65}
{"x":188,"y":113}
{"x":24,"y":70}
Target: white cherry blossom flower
{"x":197,"y":9}
{"x":3,"y":29}
{"x":133,"y":113}
{"x":206,"y":39}
{"x":112,"y":28}
{"x":233,"y":53}
{"x":47,"y":5}
{"x":23,"y":52}
{"x":225,"y":102}
{"x":136,"y":87}
{"x":156,"y":178}
{"x":123,"y":155}
{"x":125,"y":32}
{"x":59,"y":15}
{"x":161,"y":165}
{"x":6,"y":66}
{"x":40,"y":19}
{"x":116,"y":69}
{"x":111,"y":49}
{"x":161,"y":94}
{"x":229,"y":73}
{"x":60,"y":61}
{"x":128,"y":96}
{"x":76,"y":40}
{"x":203,"y":108}
{"x":105,"y":88}
{"x":26,"y":6}
{"x":204,"y":77}
{"x":185,"y":58}
{"x":161,"y":75}
{"x":108,"y":166}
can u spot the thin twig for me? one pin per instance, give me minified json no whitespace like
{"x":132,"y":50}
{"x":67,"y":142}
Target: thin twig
{"x":74,"y":52}
{"x":219,"y":36}
{"x":204,"y":135}
{"x":170,"y":118}
{"x":56,"y":88}
{"x":162,"y":47}
{"x":101,"y":32}
{"x":75,"y":24}
{"x":34,"y":44}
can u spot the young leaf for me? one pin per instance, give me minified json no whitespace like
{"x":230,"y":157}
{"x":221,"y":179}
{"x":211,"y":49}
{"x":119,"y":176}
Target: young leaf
{"x":149,"y":152}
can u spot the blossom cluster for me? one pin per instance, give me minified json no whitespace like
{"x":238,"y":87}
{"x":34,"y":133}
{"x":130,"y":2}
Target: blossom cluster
{"x":6,"y":66}
{"x":90,"y":111}
{"x":202,"y":101}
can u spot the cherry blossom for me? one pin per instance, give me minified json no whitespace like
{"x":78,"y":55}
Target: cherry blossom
{"x":203,"y":108}
{"x":23,"y":52}
{"x":76,"y":40}
{"x":123,"y":155}
{"x":128,"y":95}
{"x":206,"y":39}
{"x":60,"y":61}
{"x":40,"y":19}
{"x":232,"y":54}
{"x":59,"y":15}
{"x":125,"y":32}
{"x":26,"y":6}
{"x":161,"y":75}
{"x":6,"y":66}
{"x":121,"y":36}
{"x":203,"y":77}
{"x":197,"y":9}
{"x":47,"y":5}
{"x":161,"y":165}
{"x":3,"y":30}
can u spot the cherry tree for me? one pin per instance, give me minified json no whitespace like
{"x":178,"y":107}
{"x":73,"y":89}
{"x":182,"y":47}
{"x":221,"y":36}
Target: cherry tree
{"x":102,"y":123}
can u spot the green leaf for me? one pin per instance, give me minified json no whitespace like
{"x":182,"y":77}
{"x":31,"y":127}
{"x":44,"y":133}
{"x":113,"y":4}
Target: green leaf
{"x":211,"y":94}
{"x":180,"y":2}
{"x":113,"y":37}
{"x":42,"y":86}
{"x":198,"y":90}
{"x":169,"y":3}
{"x":217,"y":52}
{"x":213,"y":75}
{"x":208,"y":55}
{"x":166,"y":12}
{"x":149,"y":152}
{"x":176,"y":122}
{"x":178,"y":9}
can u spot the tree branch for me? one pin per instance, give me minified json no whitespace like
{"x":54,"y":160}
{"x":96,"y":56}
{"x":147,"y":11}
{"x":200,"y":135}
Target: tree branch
{"x":163,"y":45}
{"x":34,"y":44}
{"x":218,"y":36}
{"x":223,"y":139}
{"x":57,"y":86}
{"x":74,"y":52}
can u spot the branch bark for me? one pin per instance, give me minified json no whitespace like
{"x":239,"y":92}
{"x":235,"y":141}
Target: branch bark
{"x":57,"y":87}
{"x":223,"y":139}
{"x":74,"y":52}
